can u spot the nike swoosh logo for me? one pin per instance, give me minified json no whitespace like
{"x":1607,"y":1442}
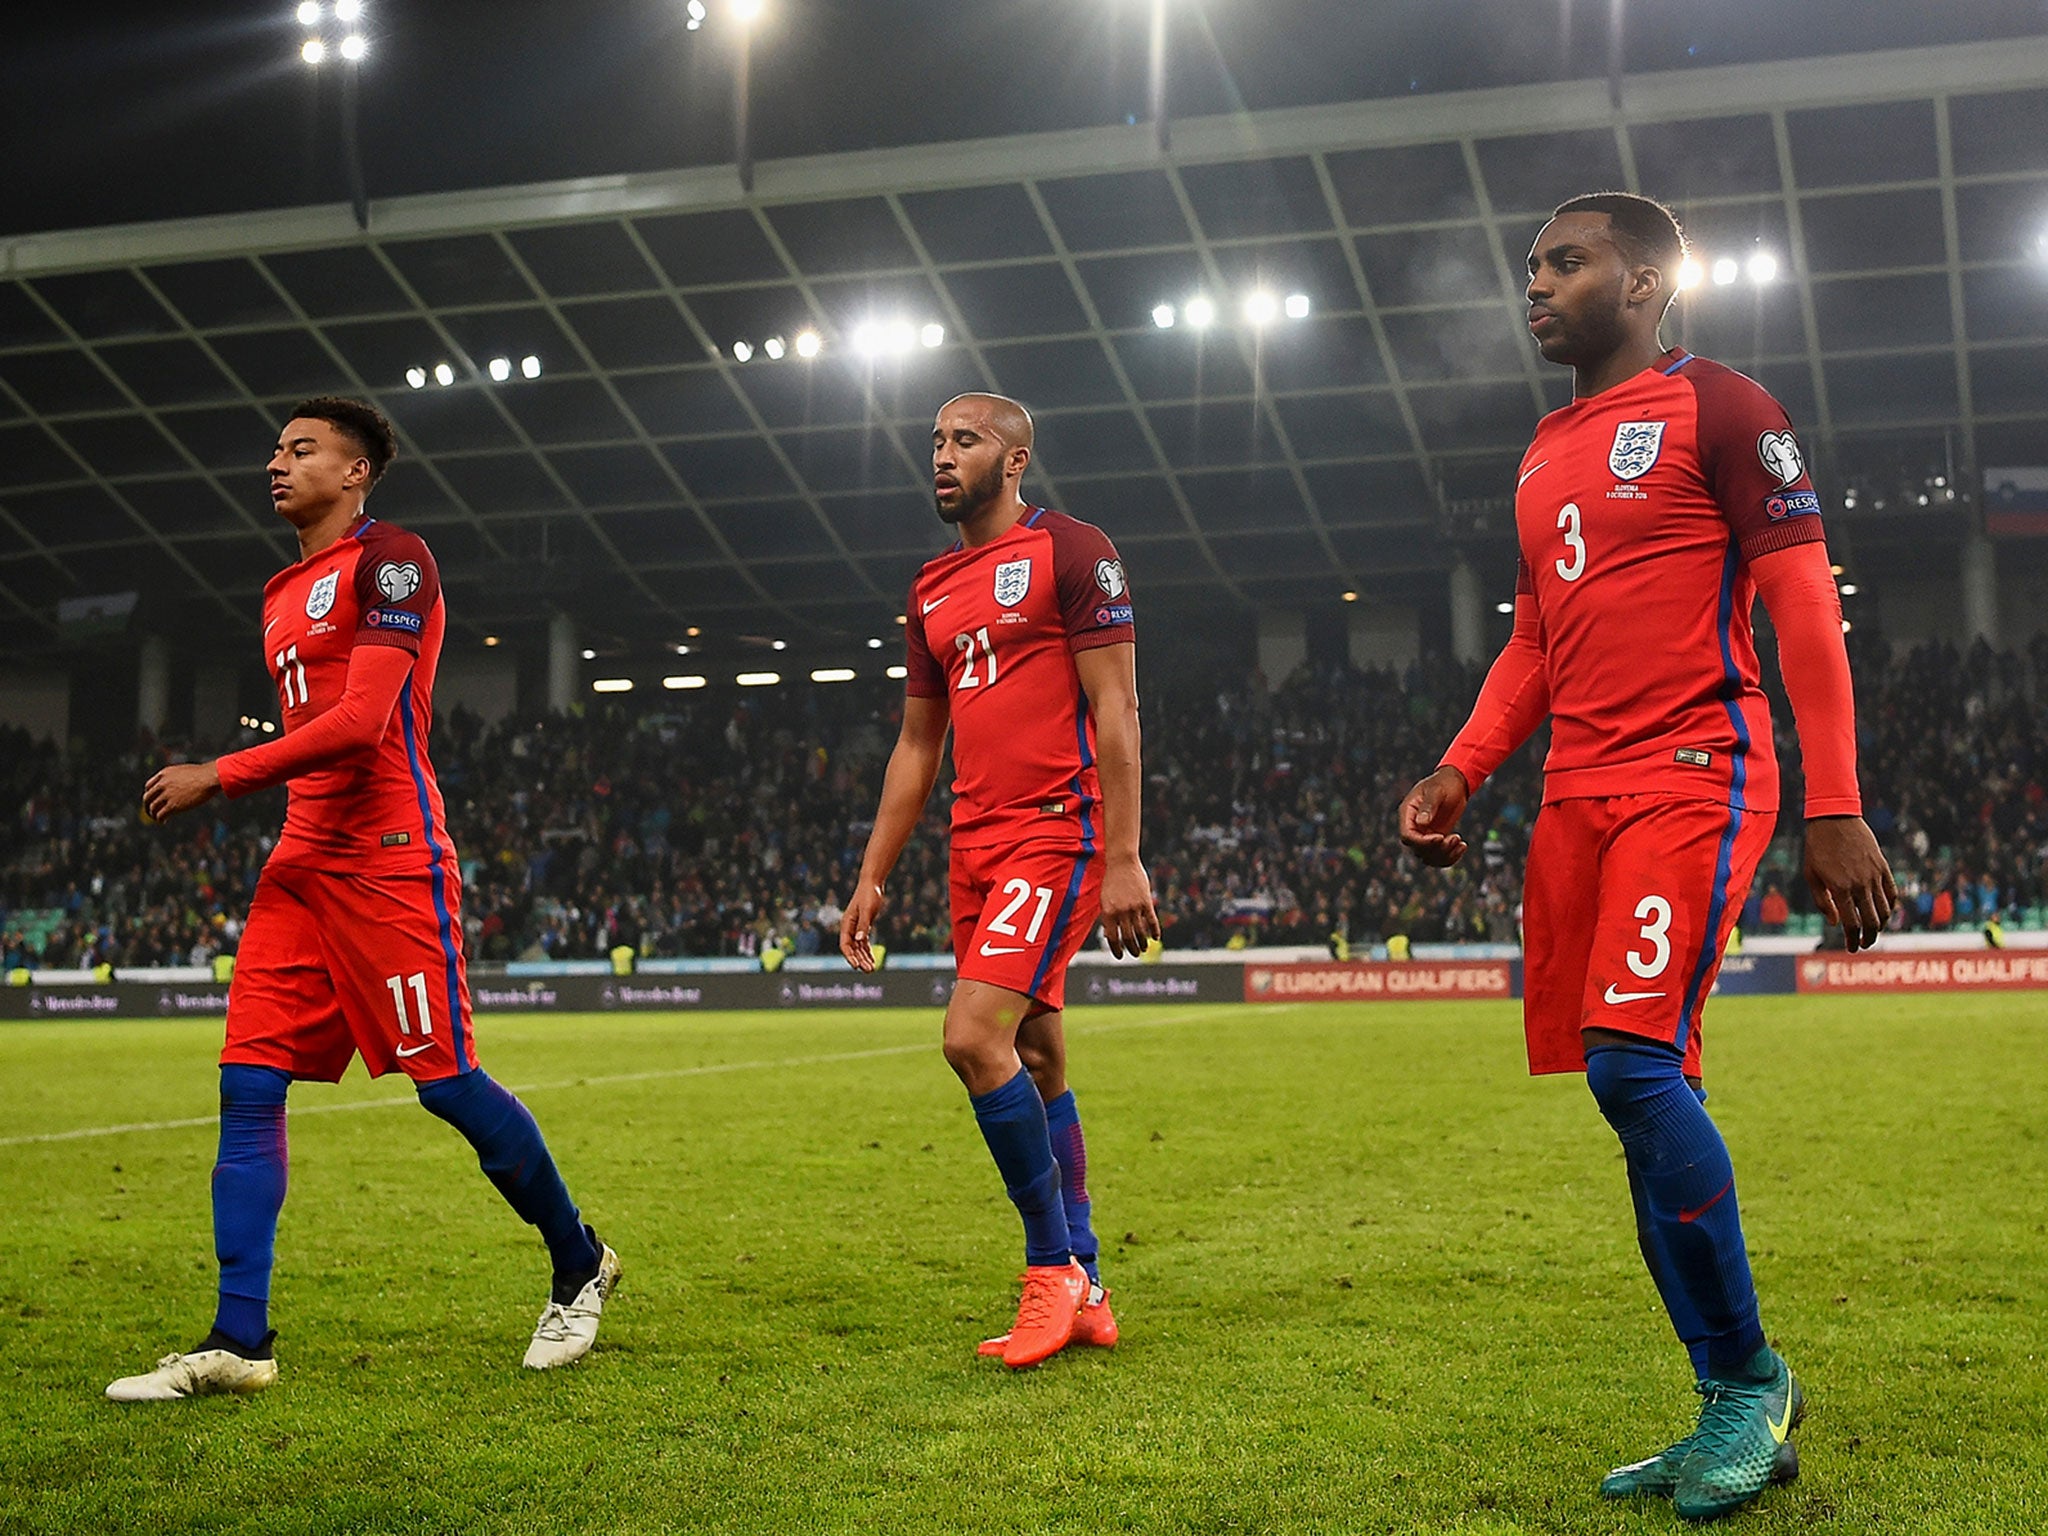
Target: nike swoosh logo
{"x":1782,"y":1426}
{"x":1614,"y":997}
{"x":928,"y":607}
{"x":424,"y":1045}
{"x":1693,"y":1215}
{"x":992,"y":952}
{"x":268,"y":627}
{"x":1527,"y":473}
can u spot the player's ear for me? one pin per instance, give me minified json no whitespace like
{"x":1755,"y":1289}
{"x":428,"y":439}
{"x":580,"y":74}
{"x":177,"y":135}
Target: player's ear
{"x":1646,"y":285}
{"x":1017,"y":461}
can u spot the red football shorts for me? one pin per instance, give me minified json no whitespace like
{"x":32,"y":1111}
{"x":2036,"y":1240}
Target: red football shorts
{"x":334,"y":963}
{"x":1020,"y":914}
{"x":1625,"y":911}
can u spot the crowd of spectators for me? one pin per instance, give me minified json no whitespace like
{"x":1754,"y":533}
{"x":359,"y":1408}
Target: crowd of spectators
{"x":721,"y":827}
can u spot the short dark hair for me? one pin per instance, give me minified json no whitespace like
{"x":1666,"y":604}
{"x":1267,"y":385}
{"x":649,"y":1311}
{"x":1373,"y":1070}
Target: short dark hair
{"x":1647,"y":233}
{"x":360,"y":422}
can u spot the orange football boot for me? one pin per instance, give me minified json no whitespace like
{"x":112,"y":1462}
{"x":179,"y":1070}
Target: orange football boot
{"x":1053,"y":1297}
{"x":1094,"y":1324}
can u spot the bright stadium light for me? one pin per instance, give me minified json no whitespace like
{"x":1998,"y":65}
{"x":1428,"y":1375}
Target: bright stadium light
{"x":832,"y":675}
{"x":900,"y":337}
{"x":501,"y":369}
{"x":693,"y":631}
{"x":1261,"y":308}
{"x":867,"y":338}
{"x":1349,"y":597}
{"x":589,"y":655}
{"x":1297,"y":306}
{"x":809,"y":344}
{"x":746,"y":11}
{"x":901,"y":620}
{"x":933,"y":335}
{"x":899,"y":673}
{"x":874,"y":642}
{"x":687,"y":680}
{"x":695,"y":14}
{"x":529,"y":367}
{"x":1200,"y":312}
{"x":1850,"y":589}
{"x":778,"y":645}
{"x":309,"y":13}
{"x":1689,"y":274}
{"x":490,"y":640}
{"x":443,"y":375}
{"x":416,"y":377}
{"x":612,"y":685}
{"x":1163,"y":316}
{"x":774,"y":347}
{"x":1503,"y":607}
{"x":758,"y":679}
{"x":743,"y":351}
{"x":346,"y":11}
{"x":313,"y":51}
{"x":1725,"y":271}
{"x":353,"y":47}
{"x":1763,"y":266}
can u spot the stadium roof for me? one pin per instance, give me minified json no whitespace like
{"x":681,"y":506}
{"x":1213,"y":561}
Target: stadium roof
{"x":648,"y":480}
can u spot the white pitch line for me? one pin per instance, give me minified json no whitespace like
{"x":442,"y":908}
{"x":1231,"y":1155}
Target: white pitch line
{"x":708,"y":1070}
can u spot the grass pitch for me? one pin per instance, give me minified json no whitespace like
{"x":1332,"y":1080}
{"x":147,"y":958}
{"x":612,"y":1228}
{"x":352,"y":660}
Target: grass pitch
{"x":1371,"y":1278}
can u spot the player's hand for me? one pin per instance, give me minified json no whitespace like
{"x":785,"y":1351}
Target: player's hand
{"x":857,"y":927}
{"x":1850,"y":880}
{"x":179,"y":787}
{"x":1129,"y":920}
{"x":1430,"y":813}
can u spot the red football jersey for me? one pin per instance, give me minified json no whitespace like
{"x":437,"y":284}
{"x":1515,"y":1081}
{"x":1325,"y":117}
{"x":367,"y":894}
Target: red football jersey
{"x":376,"y":585}
{"x":1637,"y":511}
{"x":993,"y":631}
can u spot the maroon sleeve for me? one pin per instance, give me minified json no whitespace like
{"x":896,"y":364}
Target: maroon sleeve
{"x":1753,"y":464}
{"x":1095,"y":595}
{"x":397,"y":585}
{"x":923,"y":677}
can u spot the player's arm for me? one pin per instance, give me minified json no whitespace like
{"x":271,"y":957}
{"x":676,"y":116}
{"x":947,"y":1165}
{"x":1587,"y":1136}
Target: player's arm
{"x":906,"y":786}
{"x":350,"y":729}
{"x":1109,"y":677}
{"x":1846,"y":871}
{"x":1511,"y":704}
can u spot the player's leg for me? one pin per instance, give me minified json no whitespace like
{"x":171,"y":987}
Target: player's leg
{"x":283,"y":1022}
{"x":397,"y":954}
{"x":1674,"y":876}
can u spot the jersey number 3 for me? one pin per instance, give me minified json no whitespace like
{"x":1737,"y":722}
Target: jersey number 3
{"x":1573,"y":567}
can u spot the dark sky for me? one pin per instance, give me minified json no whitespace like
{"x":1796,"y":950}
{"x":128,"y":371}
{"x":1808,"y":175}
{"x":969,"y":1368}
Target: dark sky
{"x":115,"y":113}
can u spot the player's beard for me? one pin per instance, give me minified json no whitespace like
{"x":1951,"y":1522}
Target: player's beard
{"x":976,"y":497}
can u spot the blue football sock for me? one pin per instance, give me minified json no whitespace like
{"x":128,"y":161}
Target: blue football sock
{"x":1675,"y":1150}
{"x":1012,"y":1121}
{"x":248,"y":1192}
{"x":1063,"y":1123}
{"x":512,"y":1153}
{"x":1686,"y":1321}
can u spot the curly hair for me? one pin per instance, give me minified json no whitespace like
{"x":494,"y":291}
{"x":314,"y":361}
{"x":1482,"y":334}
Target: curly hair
{"x":361,"y":422}
{"x":1647,"y":233}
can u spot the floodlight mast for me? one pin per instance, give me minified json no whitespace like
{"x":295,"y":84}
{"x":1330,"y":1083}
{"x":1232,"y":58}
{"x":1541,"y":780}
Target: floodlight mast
{"x":1156,"y":77}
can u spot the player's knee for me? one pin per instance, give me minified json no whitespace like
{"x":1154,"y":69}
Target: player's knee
{"x":243,"y":1084}
{"x":1625,"y":1077}
{"x":446,"y":1096}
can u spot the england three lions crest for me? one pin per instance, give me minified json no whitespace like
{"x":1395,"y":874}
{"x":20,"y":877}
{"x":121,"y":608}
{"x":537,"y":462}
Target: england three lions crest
{"x":320,"y":600}
{"x":1013,"y":580}
{"x":1635,"y":450}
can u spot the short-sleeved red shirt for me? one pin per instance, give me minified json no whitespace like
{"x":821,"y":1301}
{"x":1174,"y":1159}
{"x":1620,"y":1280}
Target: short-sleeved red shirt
{"x":1638,"y":510}
{"x":993,"y":631}
{"x":376,"y":585}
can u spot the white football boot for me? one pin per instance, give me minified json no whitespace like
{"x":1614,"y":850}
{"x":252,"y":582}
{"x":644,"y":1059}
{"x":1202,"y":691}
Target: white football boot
{"x":565,"y":1333}
{"x":200,"y":1372}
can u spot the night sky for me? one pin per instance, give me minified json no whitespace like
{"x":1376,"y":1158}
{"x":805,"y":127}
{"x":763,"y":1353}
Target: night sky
{"x":123,"y":113}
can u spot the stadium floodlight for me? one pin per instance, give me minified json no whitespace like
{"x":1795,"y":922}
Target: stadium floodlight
{"x":778,"y":645}
{"x":933,"y":335}
{"x":901,"y":620}
{"x":1850,"y":589}
{"x":874,"y":642}
{"x":679,"y":648}
{"x":901,"y":337}
{"x":1725,"y":271}
{"x":694,"y":15}
{"x":1200,"y":312}
{"x":1349,"y":597}
{"x":746,"y":12}
{"x":529,"y":367}
{"x":611,"y":685}
{"x":1836,"y":570}
{"x":443,"y":375}
{"x":416,"y":377}
{"x":1163,"y":316}
{"x":809,"y":344}
{"x":774,"y":347}
{"x":832,"y":675}
{"x":758,"y":679}
{"x":490,"y":640}
{"x":897,"y":674}
{"x":1261,"y":308}
{"x":1297,"y":306}
{"x":353,"y":47}
{"x":867,"y":338}
{"x":1763,"y":266}
{"x":1503,"y":607}
{"x":1689,"y":274}
{"x":270,"y":726}
{"x":313,"y":51}
{"x":309,"y":13}
{"x":686,"y":680}
{"x":346,"y":11}
{"x":743,"y":351}
{"x":693,"y":631}
{"x":1846,"y":627}
{"x":589,"y":655}
{"x":501,"y":368}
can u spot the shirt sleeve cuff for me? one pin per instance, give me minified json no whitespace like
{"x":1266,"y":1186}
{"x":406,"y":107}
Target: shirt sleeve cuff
{"x":229,"y":771}
{"x":1834,"y":805}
